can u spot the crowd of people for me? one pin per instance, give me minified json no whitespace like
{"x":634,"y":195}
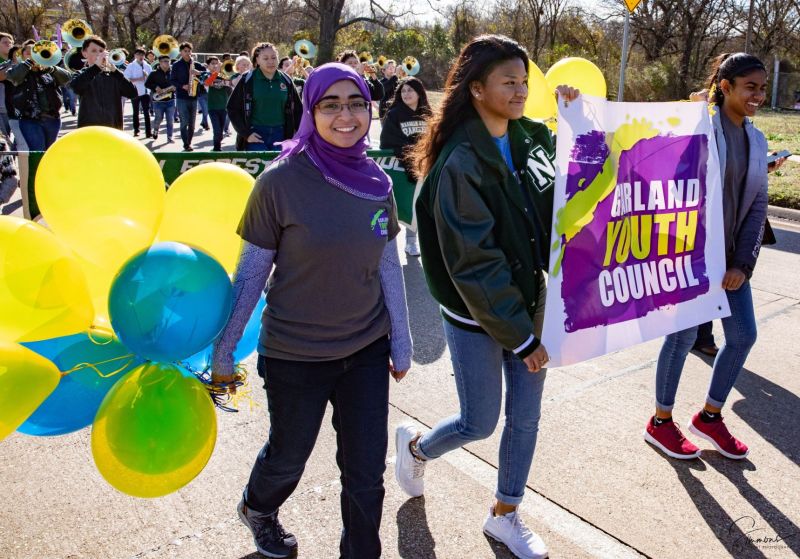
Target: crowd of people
{"x":319,"y":232}
{"x":266,"y":107}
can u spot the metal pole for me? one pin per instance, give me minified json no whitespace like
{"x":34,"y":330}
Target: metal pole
{"x":776,"y":77}
{"x":162,"y":17}
{"x":624,"y":60}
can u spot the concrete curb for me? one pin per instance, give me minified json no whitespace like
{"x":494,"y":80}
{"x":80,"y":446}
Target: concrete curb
{"x":783,"y":213}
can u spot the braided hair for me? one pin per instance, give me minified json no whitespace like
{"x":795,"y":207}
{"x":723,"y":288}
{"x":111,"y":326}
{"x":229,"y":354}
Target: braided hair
{"x":729,"y":66}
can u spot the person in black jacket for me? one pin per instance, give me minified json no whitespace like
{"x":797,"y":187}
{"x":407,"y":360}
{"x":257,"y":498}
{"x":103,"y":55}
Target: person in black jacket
{"x":350,"y":58}
{"x":163,"y":96}
{"x":100,"y":87}
{"x":389,"y":82}
{"x":37,"y":101}
{"x":184,"y":71}
{"x":405,"y":121}
{"x":264,"y":107}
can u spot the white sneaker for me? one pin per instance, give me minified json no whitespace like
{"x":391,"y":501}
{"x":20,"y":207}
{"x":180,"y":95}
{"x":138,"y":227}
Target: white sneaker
{"x":519,"y":539}
{"x":408,"y":469}
{"x":412,"y":249}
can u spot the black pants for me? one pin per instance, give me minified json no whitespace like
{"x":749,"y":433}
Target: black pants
{"x":297,"y":394}
{"x":217,"y":117}
{"x":142,"y":102}
{"x":705,"y":335}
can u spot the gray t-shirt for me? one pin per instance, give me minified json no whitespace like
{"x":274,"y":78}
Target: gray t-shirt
{"x":324,"y":298}
{"x":736,"y":158}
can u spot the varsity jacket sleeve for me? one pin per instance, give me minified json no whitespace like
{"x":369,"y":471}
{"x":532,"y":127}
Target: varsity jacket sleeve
{"x":235,"y":108}
{"x":375,"y":89}
{"x":16,"y":75}
{"x":476,"y":264}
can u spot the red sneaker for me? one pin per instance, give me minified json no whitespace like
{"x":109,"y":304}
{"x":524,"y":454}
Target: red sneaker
{"x":668,"y":438}
{"x":718,"y":435}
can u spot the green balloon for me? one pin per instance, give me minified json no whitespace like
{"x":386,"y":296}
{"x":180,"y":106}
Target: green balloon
{"x":155,"y":430}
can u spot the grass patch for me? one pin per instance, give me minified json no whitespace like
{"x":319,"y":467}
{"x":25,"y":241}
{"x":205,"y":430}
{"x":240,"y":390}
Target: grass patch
{"x":784,"y":186}
{"x":782,"y":129}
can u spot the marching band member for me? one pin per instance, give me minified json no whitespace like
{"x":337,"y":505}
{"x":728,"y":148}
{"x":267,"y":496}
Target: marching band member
{"x":184,"y":77}
{"x":100,"y":87}
{"x":160,"y":83}
{"x":137,"y":72}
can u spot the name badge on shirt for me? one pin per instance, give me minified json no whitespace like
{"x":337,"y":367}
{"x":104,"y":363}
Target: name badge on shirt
{"x":380,"y":224}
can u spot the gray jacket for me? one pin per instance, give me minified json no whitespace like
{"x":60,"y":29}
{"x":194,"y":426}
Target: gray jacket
{"x":752,"y":214}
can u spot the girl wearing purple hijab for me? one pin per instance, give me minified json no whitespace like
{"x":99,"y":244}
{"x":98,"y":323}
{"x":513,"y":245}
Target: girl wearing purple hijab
{"x":336,"y":325}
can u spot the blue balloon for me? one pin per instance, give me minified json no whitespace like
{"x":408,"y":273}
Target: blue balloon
{"x":247,"y":344}
{"x":169,"y":301}
{"x":76,"y":399}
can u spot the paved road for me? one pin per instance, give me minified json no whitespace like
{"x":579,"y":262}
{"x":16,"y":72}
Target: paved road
{"x":595,"y":489}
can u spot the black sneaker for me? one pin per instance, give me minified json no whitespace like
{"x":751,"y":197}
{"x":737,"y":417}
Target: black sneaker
{"x":269,"y":536}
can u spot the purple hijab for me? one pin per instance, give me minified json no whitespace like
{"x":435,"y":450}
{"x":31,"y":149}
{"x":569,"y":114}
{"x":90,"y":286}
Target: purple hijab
{"x":348,"y":169}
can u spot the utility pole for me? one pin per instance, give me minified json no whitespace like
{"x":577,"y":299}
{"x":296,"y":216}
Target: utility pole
{"x":631,"y":5}
{"x":162,"y":17}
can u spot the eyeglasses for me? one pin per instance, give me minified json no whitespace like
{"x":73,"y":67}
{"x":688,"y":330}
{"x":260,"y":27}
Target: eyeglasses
{"x":335,"y":107}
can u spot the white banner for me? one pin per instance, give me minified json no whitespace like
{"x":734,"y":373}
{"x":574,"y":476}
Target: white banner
{"x":637,"y":243}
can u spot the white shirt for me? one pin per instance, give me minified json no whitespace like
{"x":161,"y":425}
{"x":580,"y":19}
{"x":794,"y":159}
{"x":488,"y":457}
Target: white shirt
{"x":138,"y":69}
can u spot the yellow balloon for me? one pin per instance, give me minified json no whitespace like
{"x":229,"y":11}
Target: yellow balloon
{"x":578,"y":73}
{"x":26,"y":380}
{"x":155,"y":430}
{"x":541,"y":101}
{"x":43,"y":291}
{"x":102,"y":193}
{"x":203,"y":209}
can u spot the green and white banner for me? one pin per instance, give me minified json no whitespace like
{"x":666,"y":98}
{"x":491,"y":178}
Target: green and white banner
{"x":173,"y":164}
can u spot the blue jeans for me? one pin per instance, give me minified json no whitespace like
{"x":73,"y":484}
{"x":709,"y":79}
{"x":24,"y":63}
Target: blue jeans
{"x":187,"y":109}
{"x":41,"y":133}
{"x":164,"y":109}
{"x":269,"y":135}
{"x":217,"y":117}
{"x":69,"y":98}
{"x":740,"y":335}
{"x":202,"y":103}
{"x":297,"y":394}
{"x":479,"y":364}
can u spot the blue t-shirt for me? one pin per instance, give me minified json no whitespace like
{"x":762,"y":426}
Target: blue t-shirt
{"x":504,"y":145}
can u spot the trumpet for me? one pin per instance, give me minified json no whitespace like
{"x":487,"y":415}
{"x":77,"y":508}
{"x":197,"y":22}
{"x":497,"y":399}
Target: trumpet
{"x":46,"y":53}
{"x":305,"y":49}
{"x":411,"y":65}
{"x":74,"y":31}
{"x":365,"y":57}
{"x":166,"y":45}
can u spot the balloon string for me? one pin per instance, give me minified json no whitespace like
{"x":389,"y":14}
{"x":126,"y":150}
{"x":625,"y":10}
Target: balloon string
{"x":226,"y":396}
{"x":94,"y":366}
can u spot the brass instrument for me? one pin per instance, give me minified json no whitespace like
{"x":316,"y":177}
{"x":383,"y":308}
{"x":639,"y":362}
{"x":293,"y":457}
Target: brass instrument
{"x":74,"y":31}
{"x":166,"y":45}
{"x":411,"y":65}
{"x":46,"y":53}
{"x":365,"y":57}
{"x":67,"y":57}
{"x":382,"y":60}
{"x":166,"y":93}
{"x":305,"y":49}
{"x":227,"y":70}
{"x":117,"y":57}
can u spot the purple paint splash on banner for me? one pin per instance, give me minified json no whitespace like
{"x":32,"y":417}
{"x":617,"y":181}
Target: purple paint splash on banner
{"x":586,"y":161}
{"x":604,"y":284}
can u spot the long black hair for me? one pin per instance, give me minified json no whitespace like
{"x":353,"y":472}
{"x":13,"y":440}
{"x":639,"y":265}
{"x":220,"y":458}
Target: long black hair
{"x":423,"y":106}
{"x":475,"y":62}
{"x":729,"y":66}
